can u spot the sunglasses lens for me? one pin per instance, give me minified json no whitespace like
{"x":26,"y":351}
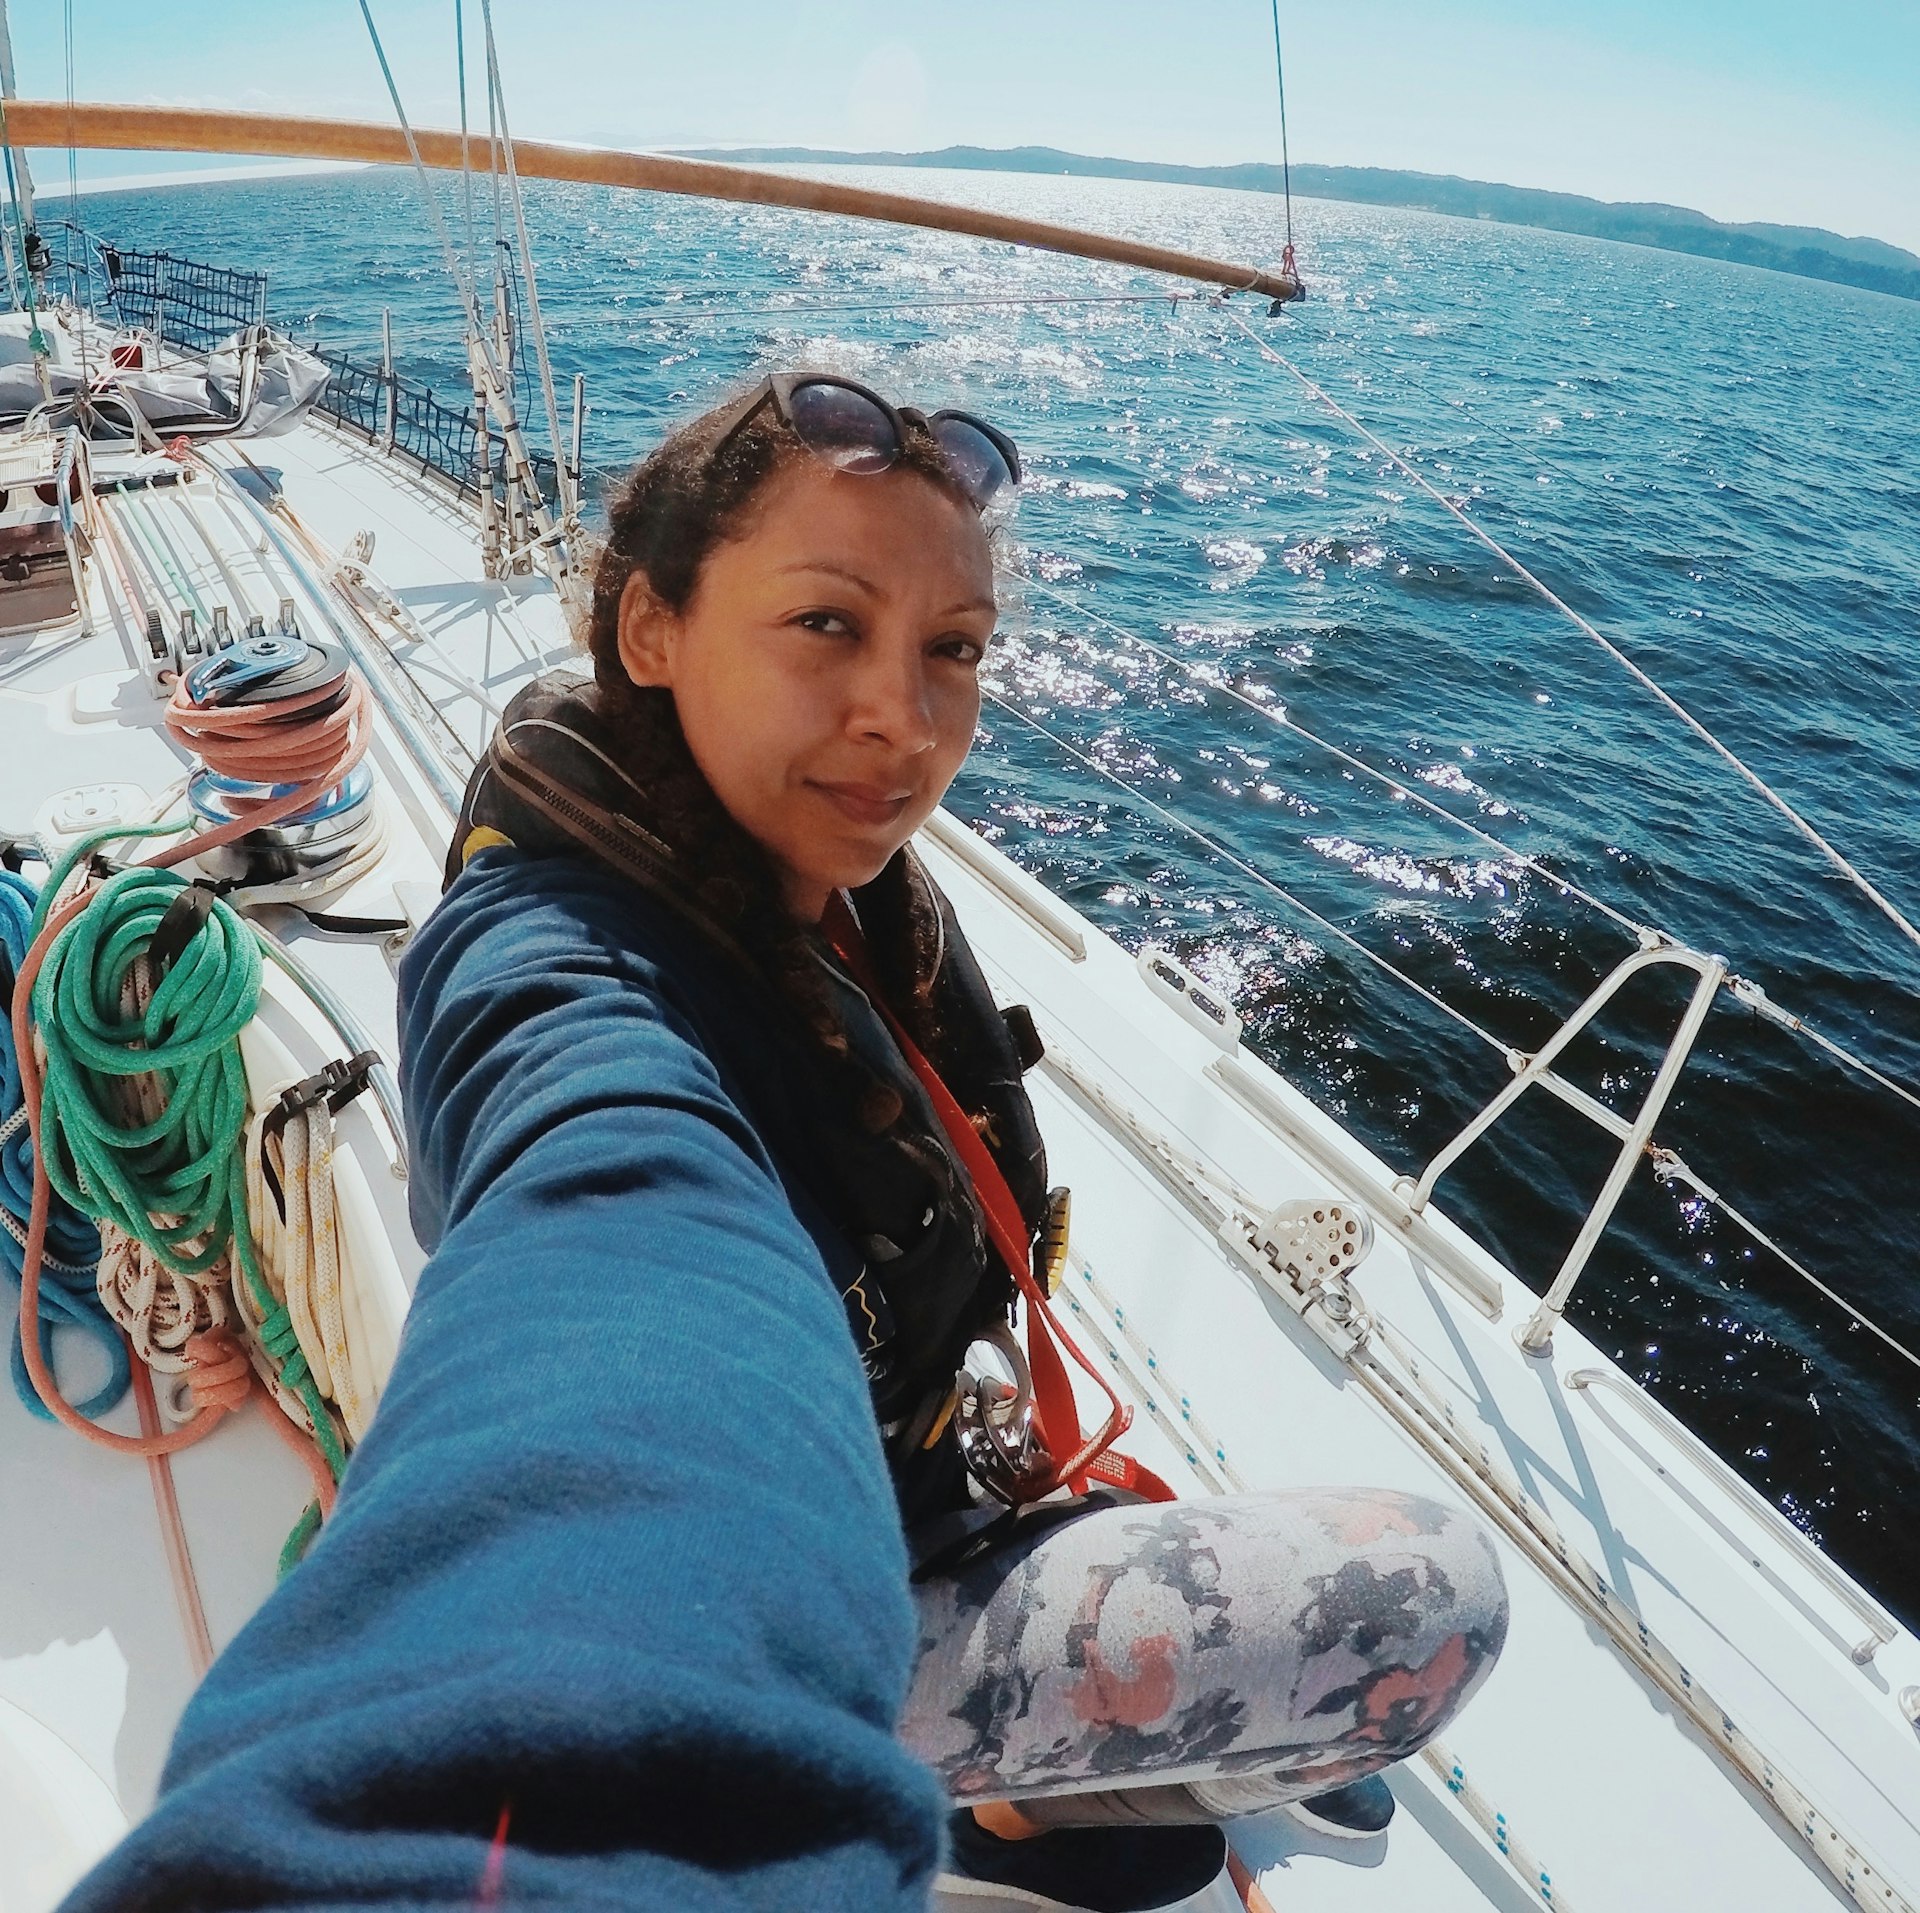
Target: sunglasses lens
{"x":979,"y":464}
{"x":843,"y":427}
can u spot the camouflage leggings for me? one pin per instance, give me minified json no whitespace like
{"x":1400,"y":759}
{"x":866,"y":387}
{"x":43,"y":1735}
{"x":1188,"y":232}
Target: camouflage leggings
{"x":1195,"y":1659}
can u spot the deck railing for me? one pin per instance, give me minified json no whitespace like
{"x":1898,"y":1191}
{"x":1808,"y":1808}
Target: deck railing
{"x":181,"y":302}
{"x":195,"y":307}
{"x":406,"y":420}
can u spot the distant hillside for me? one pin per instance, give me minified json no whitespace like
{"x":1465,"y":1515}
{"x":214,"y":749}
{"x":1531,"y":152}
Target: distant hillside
{"x":1805,"y":250}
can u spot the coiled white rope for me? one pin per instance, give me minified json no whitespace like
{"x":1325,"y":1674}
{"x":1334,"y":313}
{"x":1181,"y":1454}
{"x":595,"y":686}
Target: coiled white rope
{"x":160,"y":1309}
{"x":1890,"y":910}
{"x":297,"y":1231}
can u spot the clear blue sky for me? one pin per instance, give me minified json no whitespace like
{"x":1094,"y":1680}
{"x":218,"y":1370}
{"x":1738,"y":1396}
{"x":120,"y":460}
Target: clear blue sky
{"x":1800,"y":111}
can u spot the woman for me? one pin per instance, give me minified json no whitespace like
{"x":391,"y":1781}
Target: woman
{"x":620,"y":1575}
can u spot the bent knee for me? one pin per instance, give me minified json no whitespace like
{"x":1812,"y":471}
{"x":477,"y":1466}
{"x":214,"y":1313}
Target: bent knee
{"x":1419,"y":1683}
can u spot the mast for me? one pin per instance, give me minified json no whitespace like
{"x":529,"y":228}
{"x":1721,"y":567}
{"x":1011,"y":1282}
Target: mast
{"x":35,"y":257}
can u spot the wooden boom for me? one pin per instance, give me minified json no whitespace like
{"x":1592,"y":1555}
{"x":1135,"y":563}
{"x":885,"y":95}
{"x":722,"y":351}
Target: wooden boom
{"x":165,"y":129}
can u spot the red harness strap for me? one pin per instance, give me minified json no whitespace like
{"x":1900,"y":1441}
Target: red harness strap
{"x":1075,"y":1459}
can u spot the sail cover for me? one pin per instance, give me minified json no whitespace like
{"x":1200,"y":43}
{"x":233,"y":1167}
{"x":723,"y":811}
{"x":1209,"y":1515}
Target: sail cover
{"x":253,"y":385}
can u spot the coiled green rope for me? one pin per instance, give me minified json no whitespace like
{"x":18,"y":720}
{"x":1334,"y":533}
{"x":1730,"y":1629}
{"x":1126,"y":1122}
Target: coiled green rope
{"x":176,"y":1183}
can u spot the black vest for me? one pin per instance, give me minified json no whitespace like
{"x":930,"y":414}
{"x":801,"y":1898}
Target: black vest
{"x":923,"y":1279}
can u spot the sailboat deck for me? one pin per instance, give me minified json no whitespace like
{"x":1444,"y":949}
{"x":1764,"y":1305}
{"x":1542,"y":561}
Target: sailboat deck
{"x":1627,"y":1806}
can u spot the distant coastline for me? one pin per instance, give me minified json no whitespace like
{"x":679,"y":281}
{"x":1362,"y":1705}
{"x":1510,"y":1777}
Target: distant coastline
{"x":1806,"y":251}
{"x":49,"y":168}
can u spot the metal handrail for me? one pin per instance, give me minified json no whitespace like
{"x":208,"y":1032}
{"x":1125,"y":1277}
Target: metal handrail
{"x":1010,"y":884}
{"x":1881,"y":1628}
{"x":1536,"y":1071}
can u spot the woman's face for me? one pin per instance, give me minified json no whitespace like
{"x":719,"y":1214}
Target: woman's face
{"x":825,"y":669}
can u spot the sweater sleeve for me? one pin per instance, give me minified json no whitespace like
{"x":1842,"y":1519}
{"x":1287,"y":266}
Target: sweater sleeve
{"x":618,"y":1559}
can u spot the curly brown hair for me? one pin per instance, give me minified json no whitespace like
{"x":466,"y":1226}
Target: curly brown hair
{"x":681,"y":502}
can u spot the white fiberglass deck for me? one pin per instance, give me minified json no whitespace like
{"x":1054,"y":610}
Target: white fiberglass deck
{"x":1628,"y":1809}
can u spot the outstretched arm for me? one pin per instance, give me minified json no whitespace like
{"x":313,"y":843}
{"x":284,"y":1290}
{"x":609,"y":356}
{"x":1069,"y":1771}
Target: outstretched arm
{"x":618,"y":1556}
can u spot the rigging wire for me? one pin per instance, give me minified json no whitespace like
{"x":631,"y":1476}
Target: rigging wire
{"x":466,"y":156}
{"x":538,"y":325}
{"x":1278,"y":716}
{"x":1286,"y":168}
{"x":36,"y":339}
{"x":493,"y":175}
{"x":462,"y":283}
{"x":1749,"y":994}
{"x":1890,"y":910}
{"x":73,"y":156}
{"x":1668,"y":1165}
{"x":1757,"y":1000}
{"x":1247,"y":870}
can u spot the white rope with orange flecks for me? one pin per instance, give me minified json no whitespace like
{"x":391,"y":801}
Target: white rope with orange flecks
{"x":298,"y":1233}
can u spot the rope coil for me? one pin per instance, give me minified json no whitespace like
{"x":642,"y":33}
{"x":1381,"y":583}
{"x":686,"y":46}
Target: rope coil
{"x":137,"y":1116}
{"x":312,"y":738}
{"x":138,"y":1111}
{"x":290,"y":1206}
{"x":72,"y":1247}
{"x":164,"y":1312}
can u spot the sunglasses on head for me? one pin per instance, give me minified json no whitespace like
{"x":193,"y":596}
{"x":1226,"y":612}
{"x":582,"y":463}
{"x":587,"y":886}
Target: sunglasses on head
{"x":855,"y":430}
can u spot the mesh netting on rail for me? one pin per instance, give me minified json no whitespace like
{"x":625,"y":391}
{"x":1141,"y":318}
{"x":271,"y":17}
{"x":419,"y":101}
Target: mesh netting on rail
{"x":181,"y":302}
{"x":433,"y":436}
{"x":194,"y":307}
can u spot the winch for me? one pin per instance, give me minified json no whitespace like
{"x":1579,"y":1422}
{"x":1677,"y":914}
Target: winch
{"x":265,"y":667}
{"x":308,"y":842}
{"x":266,"y":713}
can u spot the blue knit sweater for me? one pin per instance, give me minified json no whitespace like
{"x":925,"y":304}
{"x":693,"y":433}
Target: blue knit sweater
{"x":619,"y":1552}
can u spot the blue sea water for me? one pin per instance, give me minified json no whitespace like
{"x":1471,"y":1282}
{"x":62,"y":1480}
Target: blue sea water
{"x":1717,"y":465}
